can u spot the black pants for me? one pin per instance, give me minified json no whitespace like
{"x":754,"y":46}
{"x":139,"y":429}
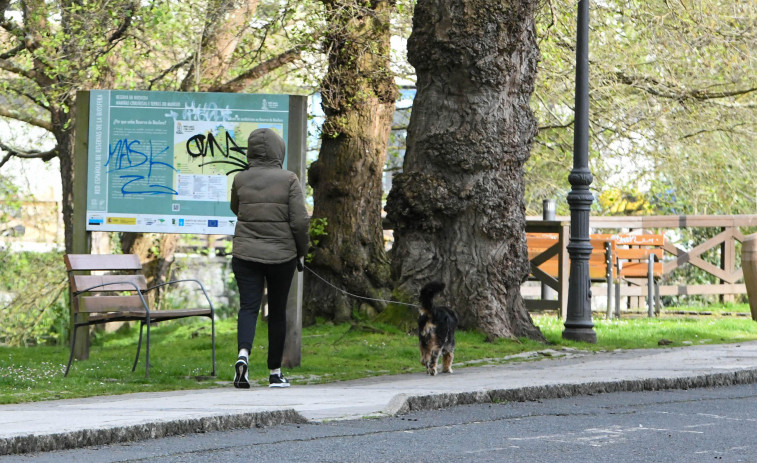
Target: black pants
{"x":250,"y":278}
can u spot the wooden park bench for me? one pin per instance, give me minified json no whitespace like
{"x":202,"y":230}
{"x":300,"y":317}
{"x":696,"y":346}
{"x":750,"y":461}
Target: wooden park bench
{"x":639,"y":268}
{"x":119,"y":296}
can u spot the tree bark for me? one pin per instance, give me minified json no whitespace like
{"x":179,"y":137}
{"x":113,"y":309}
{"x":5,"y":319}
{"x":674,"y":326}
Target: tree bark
{"x":225,"y":23}
{"x":65,"y":147}
{"x":457,"y":209}
{"x":358,"y":95}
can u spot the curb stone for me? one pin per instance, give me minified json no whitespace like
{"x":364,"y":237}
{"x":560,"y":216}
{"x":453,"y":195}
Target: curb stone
{"x":557,"y":391}
{"x":90,"y":437}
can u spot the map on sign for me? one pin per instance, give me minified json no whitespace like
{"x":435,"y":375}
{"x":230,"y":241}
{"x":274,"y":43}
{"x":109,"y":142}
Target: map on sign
{"x":196,"y":178}
{"x":165,"y":161}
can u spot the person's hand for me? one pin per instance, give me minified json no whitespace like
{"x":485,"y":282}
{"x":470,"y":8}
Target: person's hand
{"x":300,"y":264}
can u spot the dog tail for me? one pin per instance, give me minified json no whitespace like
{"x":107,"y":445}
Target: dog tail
{"x":428,"y":292}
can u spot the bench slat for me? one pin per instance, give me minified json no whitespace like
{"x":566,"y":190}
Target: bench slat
{"x":638,"y":253}
{"x":628,"y":239}
{"x":111,"y":304}
{"x":83,"y":262}
{"x":178,"y":313}
{"x":82,"y":282}
{"x":596,"y":272}
{"x":640,"y":269}
{"x":159,"y":315}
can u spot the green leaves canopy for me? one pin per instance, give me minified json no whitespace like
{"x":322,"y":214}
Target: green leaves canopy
{"x":673,"y":98}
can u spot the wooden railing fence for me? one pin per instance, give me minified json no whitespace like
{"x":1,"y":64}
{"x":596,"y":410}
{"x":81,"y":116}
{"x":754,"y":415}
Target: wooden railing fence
{"x":726,"y":238}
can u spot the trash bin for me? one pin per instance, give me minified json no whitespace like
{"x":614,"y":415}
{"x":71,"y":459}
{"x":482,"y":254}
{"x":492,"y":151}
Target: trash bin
{"x":749,"y":265}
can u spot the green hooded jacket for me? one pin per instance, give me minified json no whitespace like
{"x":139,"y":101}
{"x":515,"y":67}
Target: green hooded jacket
{"x":272,"y":222}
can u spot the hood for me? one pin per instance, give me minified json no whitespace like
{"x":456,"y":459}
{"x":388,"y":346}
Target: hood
{"x":265,"y":148}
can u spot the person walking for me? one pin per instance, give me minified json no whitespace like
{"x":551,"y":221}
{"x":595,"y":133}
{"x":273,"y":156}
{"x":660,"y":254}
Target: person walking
{"x":270,"y":241}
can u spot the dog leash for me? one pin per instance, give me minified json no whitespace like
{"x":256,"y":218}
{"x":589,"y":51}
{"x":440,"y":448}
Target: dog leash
{"x":355,"y":295}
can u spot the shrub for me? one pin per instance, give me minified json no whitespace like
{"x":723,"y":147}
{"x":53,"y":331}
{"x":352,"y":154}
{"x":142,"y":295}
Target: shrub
{"x":33,"y":292}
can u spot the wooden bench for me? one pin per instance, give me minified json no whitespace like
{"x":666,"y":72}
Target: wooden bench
{"x":120,"y":296}
{"x":543,"y":254}
{"x":639,"y":267}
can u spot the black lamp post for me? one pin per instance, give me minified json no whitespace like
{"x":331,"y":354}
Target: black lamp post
{"x":578,"y":324}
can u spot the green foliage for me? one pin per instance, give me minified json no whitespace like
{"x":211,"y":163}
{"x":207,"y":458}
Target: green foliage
{"x":317,"y":231}
{"x":613,"y":201}
{"x":231,"y":289}
{"x":10,"y":203}
{"x":33,"y":298}
{"x":672,"y":104}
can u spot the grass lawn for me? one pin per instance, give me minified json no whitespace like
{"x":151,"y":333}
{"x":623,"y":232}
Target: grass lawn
{"x":180,"y":353}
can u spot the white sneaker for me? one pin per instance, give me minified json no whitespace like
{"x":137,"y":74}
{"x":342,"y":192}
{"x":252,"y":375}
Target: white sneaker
{"x":240,"y":374}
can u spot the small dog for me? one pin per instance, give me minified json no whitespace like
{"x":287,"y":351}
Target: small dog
{"x":436,"y":330}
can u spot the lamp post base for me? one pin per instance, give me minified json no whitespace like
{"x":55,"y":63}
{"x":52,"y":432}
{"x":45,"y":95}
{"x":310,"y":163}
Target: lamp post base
{"x":580,"y":334}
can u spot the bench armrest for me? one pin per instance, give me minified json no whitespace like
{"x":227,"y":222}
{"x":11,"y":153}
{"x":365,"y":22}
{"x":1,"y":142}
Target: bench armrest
{"x":202,"y":287}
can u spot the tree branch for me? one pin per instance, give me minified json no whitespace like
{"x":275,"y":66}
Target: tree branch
{"x":6,"y":65}
{"x":47,"y":125}
{"x":676,"y":93}
{"x":25,"y":88}
{"x":557,"y":126}
{"x":12,"y":152}
{"x":716,"y":129}
{"x":176,"y":66}
{"x":119,"y":33}
{"x":128,"y":16}
{"x":13,"y":51}
{"x":5,"y":23}
{"x":243,"y":80}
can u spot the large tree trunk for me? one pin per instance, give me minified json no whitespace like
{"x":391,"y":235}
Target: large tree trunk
{"x":457,"y":209}
{"x":358,"y":94}
{"x":64,"y":137}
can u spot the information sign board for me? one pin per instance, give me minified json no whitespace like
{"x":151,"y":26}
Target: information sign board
{"x":164,"y":162}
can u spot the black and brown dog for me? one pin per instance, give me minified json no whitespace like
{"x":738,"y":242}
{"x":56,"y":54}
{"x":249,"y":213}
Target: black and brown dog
{"x":436,"y":330}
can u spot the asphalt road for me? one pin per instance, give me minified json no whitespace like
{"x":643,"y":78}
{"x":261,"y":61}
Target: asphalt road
{"x":698,"y":425}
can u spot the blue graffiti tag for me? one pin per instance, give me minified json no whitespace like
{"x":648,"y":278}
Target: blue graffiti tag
{"x":125,"y":156}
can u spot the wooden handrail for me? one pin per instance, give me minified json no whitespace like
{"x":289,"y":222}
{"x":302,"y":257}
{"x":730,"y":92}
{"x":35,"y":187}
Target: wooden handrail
{"x":664,"y":221}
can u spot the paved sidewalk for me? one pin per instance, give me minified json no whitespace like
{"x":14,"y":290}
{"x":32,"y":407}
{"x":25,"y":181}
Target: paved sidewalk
{"x":61,"y":424}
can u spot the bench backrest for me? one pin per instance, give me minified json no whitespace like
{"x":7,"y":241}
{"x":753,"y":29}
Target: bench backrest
{"x":112,"y":286}
{"x":633,"y":252}
{"x":92,"y":262}
{"x":539,"y":243}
